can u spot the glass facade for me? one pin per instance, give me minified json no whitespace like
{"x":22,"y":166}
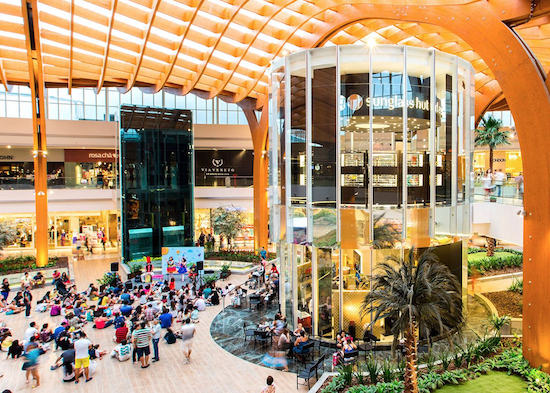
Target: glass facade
{"x":84,"y":104}
{"x":370,"y":154}
{"x":156,"y":149}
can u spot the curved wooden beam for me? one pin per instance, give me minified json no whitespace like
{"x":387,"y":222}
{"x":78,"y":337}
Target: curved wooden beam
{"x":226,"y":80}
{"x":70,"y":82}
{"x":174,"y":57}
{"x":143,"y":46}
{"x":101,"y":79}
{"x":3,"y":78}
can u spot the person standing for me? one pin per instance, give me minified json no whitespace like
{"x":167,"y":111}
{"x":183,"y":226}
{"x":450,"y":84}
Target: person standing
{"x":263,"y":254}
{"x":487,"y":181}
{"x":31,"y":364}
{"x":519,"y":182}
{"x":499,"y":181}
{"x":5,"y":289}
{"x":155,"y":333}
{"x":187,"y":333}
{"x":82,"y":357}
{"x":140,"y":339}
{"x":27,"y":301}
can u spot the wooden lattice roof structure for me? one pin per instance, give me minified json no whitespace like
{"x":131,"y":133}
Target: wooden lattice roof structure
{"x":224,"y":47}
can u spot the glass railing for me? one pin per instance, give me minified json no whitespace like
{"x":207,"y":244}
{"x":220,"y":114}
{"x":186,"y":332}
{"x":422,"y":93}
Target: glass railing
{"x":27,"y":183}
{"x":509,"y":193}
{"x":224,"y":181}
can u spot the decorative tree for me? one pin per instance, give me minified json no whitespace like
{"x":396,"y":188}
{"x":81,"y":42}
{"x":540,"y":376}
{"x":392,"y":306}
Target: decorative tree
{"x":228,"y":221}
{"x":420,"y":296}
{"x":492,"y":136}
{"x":8,"y":234}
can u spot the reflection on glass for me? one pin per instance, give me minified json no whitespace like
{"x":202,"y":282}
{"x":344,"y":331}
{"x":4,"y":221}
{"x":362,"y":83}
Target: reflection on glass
{"x":305,"y":293}
{"x":325,"y":268}
{"x":324,"y":227}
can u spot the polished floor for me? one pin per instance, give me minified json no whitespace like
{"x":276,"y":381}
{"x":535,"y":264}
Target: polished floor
{"x":212,"y":368}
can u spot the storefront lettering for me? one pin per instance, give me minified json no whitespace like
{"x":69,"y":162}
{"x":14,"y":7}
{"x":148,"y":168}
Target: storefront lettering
{"x":6,"y":157}
{"x":355,"y":102}
{"x":102,"y":155}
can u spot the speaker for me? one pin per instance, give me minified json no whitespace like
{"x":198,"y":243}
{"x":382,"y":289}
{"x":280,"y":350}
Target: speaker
{"x":114,"y":267}
{"x":200,"y":265}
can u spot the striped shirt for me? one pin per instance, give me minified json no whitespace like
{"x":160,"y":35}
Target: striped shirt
{"x":125,"y":349}
{"x":141,"y":336}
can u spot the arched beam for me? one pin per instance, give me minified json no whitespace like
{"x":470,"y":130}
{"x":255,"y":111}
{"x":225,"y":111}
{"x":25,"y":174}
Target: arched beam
{"x":174,"y":57}
{"x":101,"y":79}
{"x":3,"y":77}
{"x":143,"y":47}
{"x":70,"y":82}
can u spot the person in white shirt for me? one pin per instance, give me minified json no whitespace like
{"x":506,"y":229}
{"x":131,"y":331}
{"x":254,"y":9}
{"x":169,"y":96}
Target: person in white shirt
{"x":187,"y":332}
{"x":200,"y":304}
{"x":155,"y":332}
{"x":30,"y":332}
{"x":26,"y":281}
{"x":82,"y":358}
{"x":500,"y":178}
{"x":487,"y":181}
{"x":122,"y":351}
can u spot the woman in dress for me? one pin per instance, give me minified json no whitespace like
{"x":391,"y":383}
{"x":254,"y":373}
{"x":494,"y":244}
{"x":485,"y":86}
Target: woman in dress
{"x":171,"y":268}
{"x":182,"y":268}
{"x":487,"y":181}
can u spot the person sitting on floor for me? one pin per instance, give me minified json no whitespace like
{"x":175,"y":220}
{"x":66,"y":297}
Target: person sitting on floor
{"x":122,"y":351}
{"x":15,"y":350}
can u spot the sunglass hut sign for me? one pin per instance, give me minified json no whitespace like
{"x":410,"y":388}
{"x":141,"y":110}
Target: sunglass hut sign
{"x":217,"y":168}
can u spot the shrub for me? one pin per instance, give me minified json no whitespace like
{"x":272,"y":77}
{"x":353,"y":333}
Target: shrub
{"x":373,"y":369}
{"x":15,"y":264}
{"x":496,"y":263}
{"x":517,"y":286}
{"x":346,"y":372}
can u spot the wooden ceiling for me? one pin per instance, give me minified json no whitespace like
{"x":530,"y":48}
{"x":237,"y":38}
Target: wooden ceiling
{"x":209,"y":47}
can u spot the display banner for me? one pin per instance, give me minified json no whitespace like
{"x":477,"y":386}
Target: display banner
{"x":90,"y":155}
{"x":173,"y":257}
{"x":212,"y":164}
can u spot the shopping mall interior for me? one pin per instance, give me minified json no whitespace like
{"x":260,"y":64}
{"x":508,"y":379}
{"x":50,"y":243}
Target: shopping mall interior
{"x":342,"y":194}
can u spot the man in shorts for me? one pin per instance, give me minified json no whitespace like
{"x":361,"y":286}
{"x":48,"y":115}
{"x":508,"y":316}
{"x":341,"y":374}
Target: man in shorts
{"x":140,"y":339}
{"x":82,"y":357}
{"x":187,"y":332}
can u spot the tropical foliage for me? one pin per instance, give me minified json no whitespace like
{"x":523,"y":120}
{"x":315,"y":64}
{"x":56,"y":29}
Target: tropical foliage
{"x":491,"y":136}
{"x":421,"y":296}
{"x":19,"y":263}
{"x":228,"y":221}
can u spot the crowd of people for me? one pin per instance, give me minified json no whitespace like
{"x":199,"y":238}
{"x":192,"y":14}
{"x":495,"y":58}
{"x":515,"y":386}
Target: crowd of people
{"x":140,"y":316}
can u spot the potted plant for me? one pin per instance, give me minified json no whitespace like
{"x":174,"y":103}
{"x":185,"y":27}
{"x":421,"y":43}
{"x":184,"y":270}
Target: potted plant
{"x":225,"y":271}
{"x":135,"y":270}
{"x":106,"y":281}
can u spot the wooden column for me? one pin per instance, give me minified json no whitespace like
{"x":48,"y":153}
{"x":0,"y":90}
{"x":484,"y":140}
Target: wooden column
{"x":36,"y":84}
{"x":259,"y":129}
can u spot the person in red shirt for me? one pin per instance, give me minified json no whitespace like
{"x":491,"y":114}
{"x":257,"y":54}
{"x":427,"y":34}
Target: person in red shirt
{"x":273,"y":269}
{"x":121,"y":334}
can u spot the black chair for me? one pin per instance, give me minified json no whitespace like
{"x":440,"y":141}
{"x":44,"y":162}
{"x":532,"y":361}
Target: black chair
{"x":261,"y":336}
{"x":350,"y":357}
{"x":254,"y":300}
{"x":248,"y":331}
{"x":307,"y":352}
{"x":310,"y":371}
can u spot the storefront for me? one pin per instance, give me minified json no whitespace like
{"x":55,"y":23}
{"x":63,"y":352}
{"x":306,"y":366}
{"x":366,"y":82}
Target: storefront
{"x":65,"y":228}
{"x":370,"y":156}
{"x":91,"y":167}
{"x":65,"y":167}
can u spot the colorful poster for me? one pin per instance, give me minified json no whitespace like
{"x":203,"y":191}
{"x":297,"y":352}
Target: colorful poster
{"x":172,"y":257}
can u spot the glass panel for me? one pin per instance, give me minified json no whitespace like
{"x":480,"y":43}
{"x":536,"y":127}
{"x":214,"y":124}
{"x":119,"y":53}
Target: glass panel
{"x":387,"y":124}
{"x":387,"y":228}
{"x":356,"y":270}
{"x":298,"y":128}
{"x":418,"y":127}
{"x":418,"y":227}
{"x":323,"y":119}
{"x":299,"y":225}
{"x":324,"y":227}
{"x":443,"y":142}
{"x":355,"y":228}
{"x":354,"y":125}
{"x":281,"y":135}
{"x":326,"y":263}
{"x":304,"y":280}
{"x":287,"y":271}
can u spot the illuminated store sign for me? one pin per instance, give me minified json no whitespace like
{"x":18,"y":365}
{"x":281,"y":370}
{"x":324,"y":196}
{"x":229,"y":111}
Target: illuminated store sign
{"x":355,"y":102}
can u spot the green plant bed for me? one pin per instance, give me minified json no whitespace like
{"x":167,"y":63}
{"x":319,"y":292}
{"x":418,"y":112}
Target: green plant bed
{"x":240,"y":256}
{"x":21,"y":263}
{"x":481,"y":255}
{"x":504,"y":261}
{"x":493,"y":381}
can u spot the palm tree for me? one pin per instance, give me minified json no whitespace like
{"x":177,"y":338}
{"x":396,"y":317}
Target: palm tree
{"x":491,"y":135}
{"x":385,"y":235}
{"x":420,"y":296}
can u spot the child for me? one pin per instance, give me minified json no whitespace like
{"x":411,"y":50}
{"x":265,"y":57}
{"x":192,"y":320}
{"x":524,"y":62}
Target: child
{"x":172,"y":284}
{"x":195,"y":315}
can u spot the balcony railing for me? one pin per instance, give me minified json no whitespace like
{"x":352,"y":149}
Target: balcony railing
{"x":27,"y":183}
{"x":510,"y":193}
{"x":224,"y":181}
